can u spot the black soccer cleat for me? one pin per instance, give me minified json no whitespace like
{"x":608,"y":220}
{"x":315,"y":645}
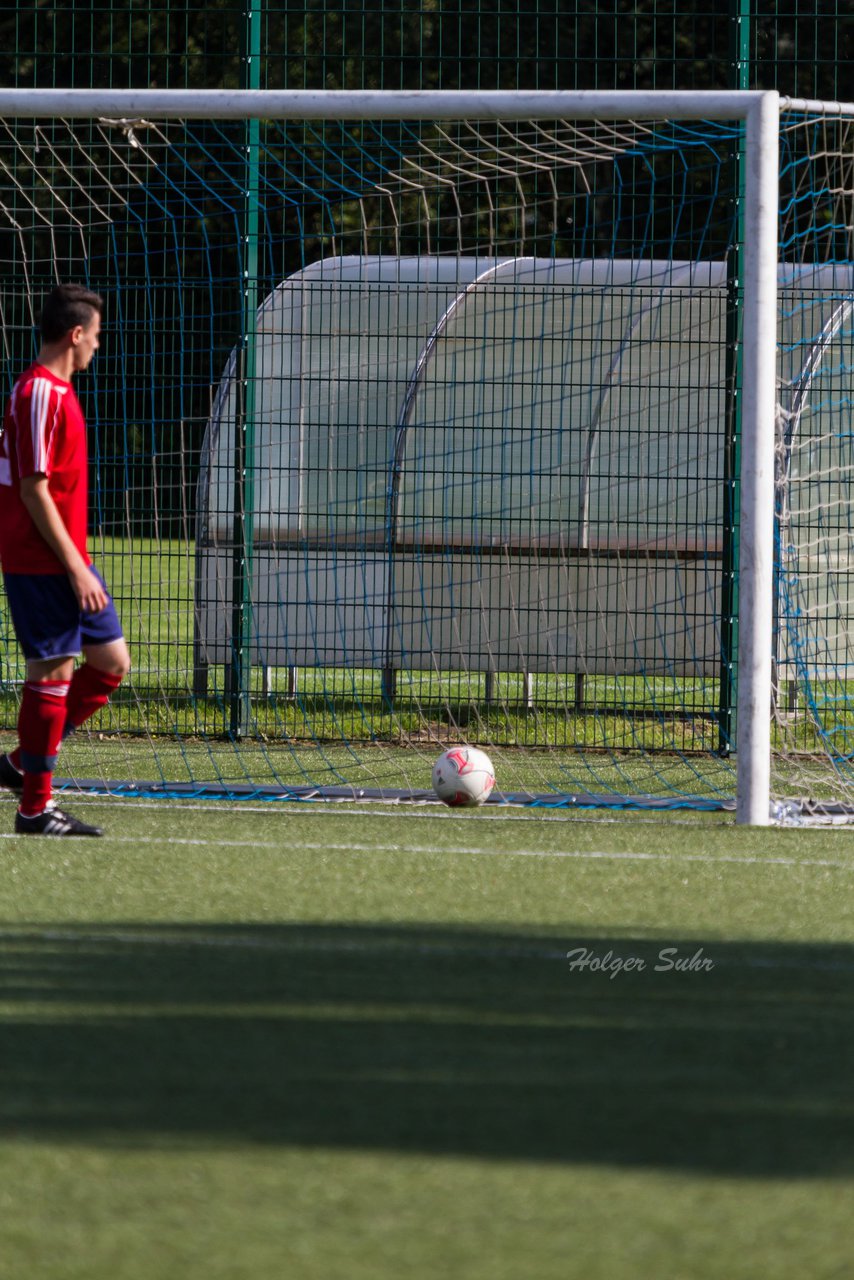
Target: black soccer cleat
{"x":10,"y":777}
{"x":53,"y":822}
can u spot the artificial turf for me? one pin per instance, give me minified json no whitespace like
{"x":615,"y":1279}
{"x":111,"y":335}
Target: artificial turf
{"x":322,"y":1041}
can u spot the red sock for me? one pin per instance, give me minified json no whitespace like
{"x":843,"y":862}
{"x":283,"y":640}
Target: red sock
{"x":90,"y":690}
{"x":40,"y":723}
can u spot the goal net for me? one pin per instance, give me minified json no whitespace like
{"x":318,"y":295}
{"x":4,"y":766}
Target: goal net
{"x":409,"y":432}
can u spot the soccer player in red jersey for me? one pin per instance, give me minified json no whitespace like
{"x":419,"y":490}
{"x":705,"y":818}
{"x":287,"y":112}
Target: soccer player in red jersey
{"x":59,"y":604}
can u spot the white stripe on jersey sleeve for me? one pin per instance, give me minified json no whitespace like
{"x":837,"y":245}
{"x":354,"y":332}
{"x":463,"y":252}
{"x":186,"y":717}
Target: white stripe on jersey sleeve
{"x":40,"y":400}
{"x":40,"y":405}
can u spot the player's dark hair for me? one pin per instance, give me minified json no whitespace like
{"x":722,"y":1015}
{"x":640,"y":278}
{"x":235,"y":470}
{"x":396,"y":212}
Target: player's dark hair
{"x":65,"y":307}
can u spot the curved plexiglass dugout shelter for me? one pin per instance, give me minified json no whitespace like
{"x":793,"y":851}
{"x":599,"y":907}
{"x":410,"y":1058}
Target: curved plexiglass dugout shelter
{"x":495,"y":465}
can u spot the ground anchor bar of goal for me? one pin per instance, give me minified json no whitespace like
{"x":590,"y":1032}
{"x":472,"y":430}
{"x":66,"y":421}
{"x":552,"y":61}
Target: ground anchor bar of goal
{"x":247,"y":791}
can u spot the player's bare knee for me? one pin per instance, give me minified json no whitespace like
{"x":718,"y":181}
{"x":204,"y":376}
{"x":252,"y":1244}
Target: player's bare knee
{"x":118,"y":667}
{"x":111,"y":659}
{"x":120,"y":664}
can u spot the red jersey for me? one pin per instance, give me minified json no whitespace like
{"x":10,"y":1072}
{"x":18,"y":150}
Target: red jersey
{"x":44,"y":433}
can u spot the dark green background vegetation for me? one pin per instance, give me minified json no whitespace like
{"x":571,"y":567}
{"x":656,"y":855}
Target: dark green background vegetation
{"x":799,"y":47}
{"x":181,"y":313}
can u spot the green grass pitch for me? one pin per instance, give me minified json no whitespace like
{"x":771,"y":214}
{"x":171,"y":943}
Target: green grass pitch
{"x":322,"y":1041}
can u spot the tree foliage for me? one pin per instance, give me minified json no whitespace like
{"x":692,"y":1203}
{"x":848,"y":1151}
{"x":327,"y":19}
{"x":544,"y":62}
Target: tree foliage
{"x":799,"y":47}
{"x":151,"y":408}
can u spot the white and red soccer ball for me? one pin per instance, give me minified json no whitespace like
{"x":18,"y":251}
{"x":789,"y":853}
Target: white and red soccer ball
{"x":463,"y":777}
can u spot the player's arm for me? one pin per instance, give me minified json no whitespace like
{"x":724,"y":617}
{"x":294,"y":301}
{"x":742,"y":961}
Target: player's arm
{"x":43,"y":512}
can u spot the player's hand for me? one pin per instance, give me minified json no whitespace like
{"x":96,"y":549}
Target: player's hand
{"x":91,"y":596}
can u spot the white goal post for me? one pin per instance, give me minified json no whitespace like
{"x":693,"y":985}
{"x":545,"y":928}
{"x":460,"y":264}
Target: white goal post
{"x":760,"y":114}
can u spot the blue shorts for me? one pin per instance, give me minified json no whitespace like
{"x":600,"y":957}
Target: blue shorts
{"x":47,"y":618}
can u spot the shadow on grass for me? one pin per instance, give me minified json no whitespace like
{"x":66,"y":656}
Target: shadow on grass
{"x":431,"y":1040}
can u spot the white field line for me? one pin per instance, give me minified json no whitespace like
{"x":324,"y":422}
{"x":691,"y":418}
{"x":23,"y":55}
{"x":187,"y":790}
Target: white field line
{"x":602,"y":855}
